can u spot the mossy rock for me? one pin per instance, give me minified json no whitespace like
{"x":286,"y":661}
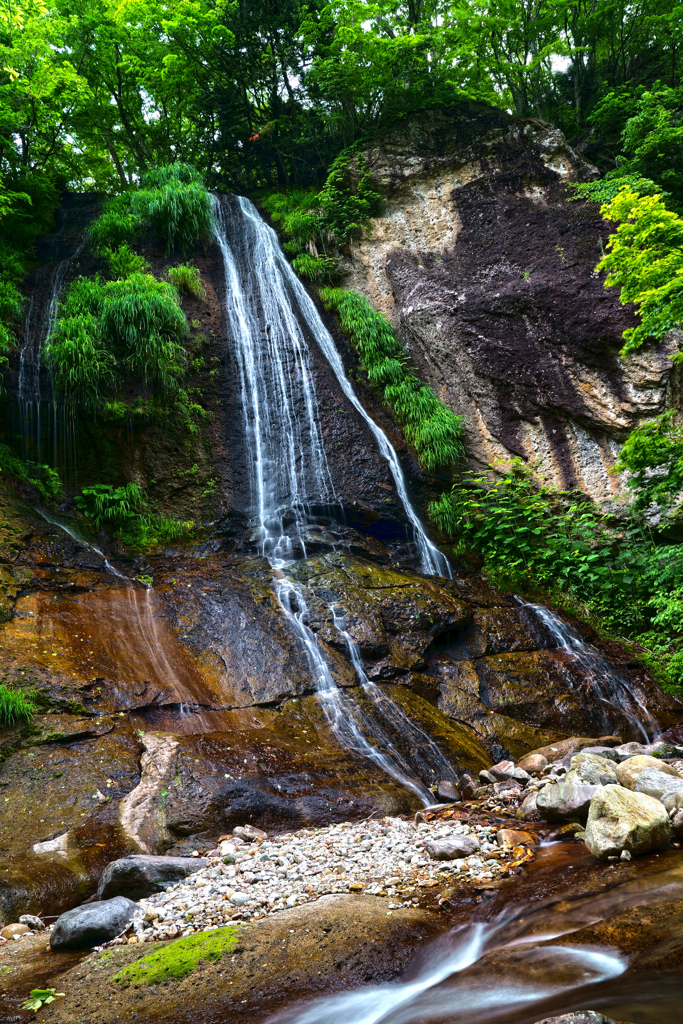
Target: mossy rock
{"x":179,"y":958}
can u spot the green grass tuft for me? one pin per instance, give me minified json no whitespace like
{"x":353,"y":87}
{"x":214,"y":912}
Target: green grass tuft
{"x":178,"y":959}
{"x":187,"y":278}
{"x":434,"y":431}
{"x":15,"y":706}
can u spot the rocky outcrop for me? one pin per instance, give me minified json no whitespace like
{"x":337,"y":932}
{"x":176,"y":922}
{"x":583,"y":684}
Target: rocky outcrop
{"x":489,"y":275}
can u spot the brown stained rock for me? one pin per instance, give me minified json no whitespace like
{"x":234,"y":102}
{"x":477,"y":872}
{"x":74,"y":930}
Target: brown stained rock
{"x":514,"y":837}
{"x":338,"y":942}
{"x":48,"y":789}
{"x":533,"y":764}
{"x":10,"y":930}
{"x":392,"y":616}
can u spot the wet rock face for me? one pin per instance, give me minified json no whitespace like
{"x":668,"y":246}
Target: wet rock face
{"x":488,"y":272}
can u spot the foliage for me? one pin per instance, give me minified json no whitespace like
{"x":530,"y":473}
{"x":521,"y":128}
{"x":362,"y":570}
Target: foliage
{"x":187,"y":279}
{"x":172,"y":201}
{"x":133,"y":326}
{"x":539,"y":540}
{"x":45,"y":479}
{"x":123,"y":262}
{"x":314,"y":268}
{"x":434,"y":430}
{"x":15,"y":706}
{"x":645,"y":257}
{"x":125,"y":511}
{"x":652,"y":455}
{"x":348,"y":198}
{"x":179,"y":958}
{"x":112,"y":506}
{"x":41,"y":997}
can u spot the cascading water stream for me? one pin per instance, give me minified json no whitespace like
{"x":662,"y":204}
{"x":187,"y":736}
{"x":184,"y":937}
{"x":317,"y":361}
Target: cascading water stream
{"x":609,"y":686}
{"x":39,"y":327}
{"x":504,"y":971}
{"x":288,"y":465}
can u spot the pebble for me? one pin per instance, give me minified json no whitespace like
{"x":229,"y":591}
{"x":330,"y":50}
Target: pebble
{"x":380,"y":858}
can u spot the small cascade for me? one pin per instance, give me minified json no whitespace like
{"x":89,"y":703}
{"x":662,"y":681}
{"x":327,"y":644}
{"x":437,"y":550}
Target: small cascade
{"x":343,"y":714}
{"x":266,"y":306}
{"x":38,"y":416}
{"x":423,"y":748}
{"x":608,"y":685}
{"x":68,"y":529}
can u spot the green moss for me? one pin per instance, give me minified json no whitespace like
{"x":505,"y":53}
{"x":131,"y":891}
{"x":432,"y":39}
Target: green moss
{"x":179,"y":958}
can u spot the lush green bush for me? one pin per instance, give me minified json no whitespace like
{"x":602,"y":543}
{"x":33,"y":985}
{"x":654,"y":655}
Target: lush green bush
{"x":171,"y":200}
{"x":314,"y":268}
{"x":45,"y":480}
{"x":559,"y":546}
{"x":434,"y":430}
{"x":187,"y":279}
{"x":15,"y":706}
{"x":645,"y":258}
{"x":125,"y":511}
{"x":133,"y":326}
{"x":124,"y":261}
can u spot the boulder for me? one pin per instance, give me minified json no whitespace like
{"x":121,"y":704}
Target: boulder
{"x":505,"y":770}
{"x":142,"y":875}
{"x":620,"y":819}
{"x":468,"y":787}
{"x":487,"y":777}
{"x":452,"y":848}
{"x":658,"y":784}
{"x":593,"y":769}
{"x":629,"y":770}
{"x":93,"y":923}
{"x":606,"y":752}
{"x":14,"y":929}
{"x":677,"y":823}
{"x":533,"y":764}
{"x":31,"y":921}
{"x":569,"y":799}
{"x":579,"y":1017}
{"x":528,"y":809}
{"x":446,"y":790}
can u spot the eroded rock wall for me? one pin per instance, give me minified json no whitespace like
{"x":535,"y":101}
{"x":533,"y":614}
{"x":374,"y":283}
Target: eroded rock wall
{"x":488,"y":273}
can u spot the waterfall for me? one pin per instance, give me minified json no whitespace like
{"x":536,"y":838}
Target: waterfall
{"x":266,"y":306}
{"x":39,"y":327}
{"x":609,"y":685}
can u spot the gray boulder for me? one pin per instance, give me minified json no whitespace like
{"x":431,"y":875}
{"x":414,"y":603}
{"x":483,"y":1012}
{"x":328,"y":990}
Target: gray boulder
{"x":657,"y":784}
{"x":141,"y":875}
{"x":620,"y":819}
{"x":593,"y":769}
{"x":93,"y":923}
{"x":446,"y":790}
{"x":566,"y":800}
{"x":452,"y":848}
{"x":579,"y":1017}
{"x":629,"y":771}
{"x":508,"y":770}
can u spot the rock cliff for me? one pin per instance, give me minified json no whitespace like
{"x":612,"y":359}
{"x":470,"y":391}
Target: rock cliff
{"x":488,"y":273}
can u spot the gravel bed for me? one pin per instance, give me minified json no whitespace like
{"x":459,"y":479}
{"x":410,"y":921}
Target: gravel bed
{"x":382,"y":858}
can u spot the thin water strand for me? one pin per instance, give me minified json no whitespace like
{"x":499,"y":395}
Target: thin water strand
{"x":609,"y":685}
{"x":438,"y":764}
{"x":343,"y":714}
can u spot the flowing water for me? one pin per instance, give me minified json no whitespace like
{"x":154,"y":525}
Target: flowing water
{"x":513,"y":970}
{"x":606,"y":683}
{"x":265,"y":306}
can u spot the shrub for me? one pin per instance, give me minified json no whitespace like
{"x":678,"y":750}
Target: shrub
{"x":123,"y":262}
{"x":314,"y":268}
{"x":82,"y":369}
{"x":15,"y":706}
{"x":434,"y":430}
{"x":172,"y":200}
{"x":45,"y":480}
{"x":112,"y":506}
{"x":188,"y":279}
{"x":134,"y":324}
{"x":645,"y":257}
{"x":142,"y":320}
